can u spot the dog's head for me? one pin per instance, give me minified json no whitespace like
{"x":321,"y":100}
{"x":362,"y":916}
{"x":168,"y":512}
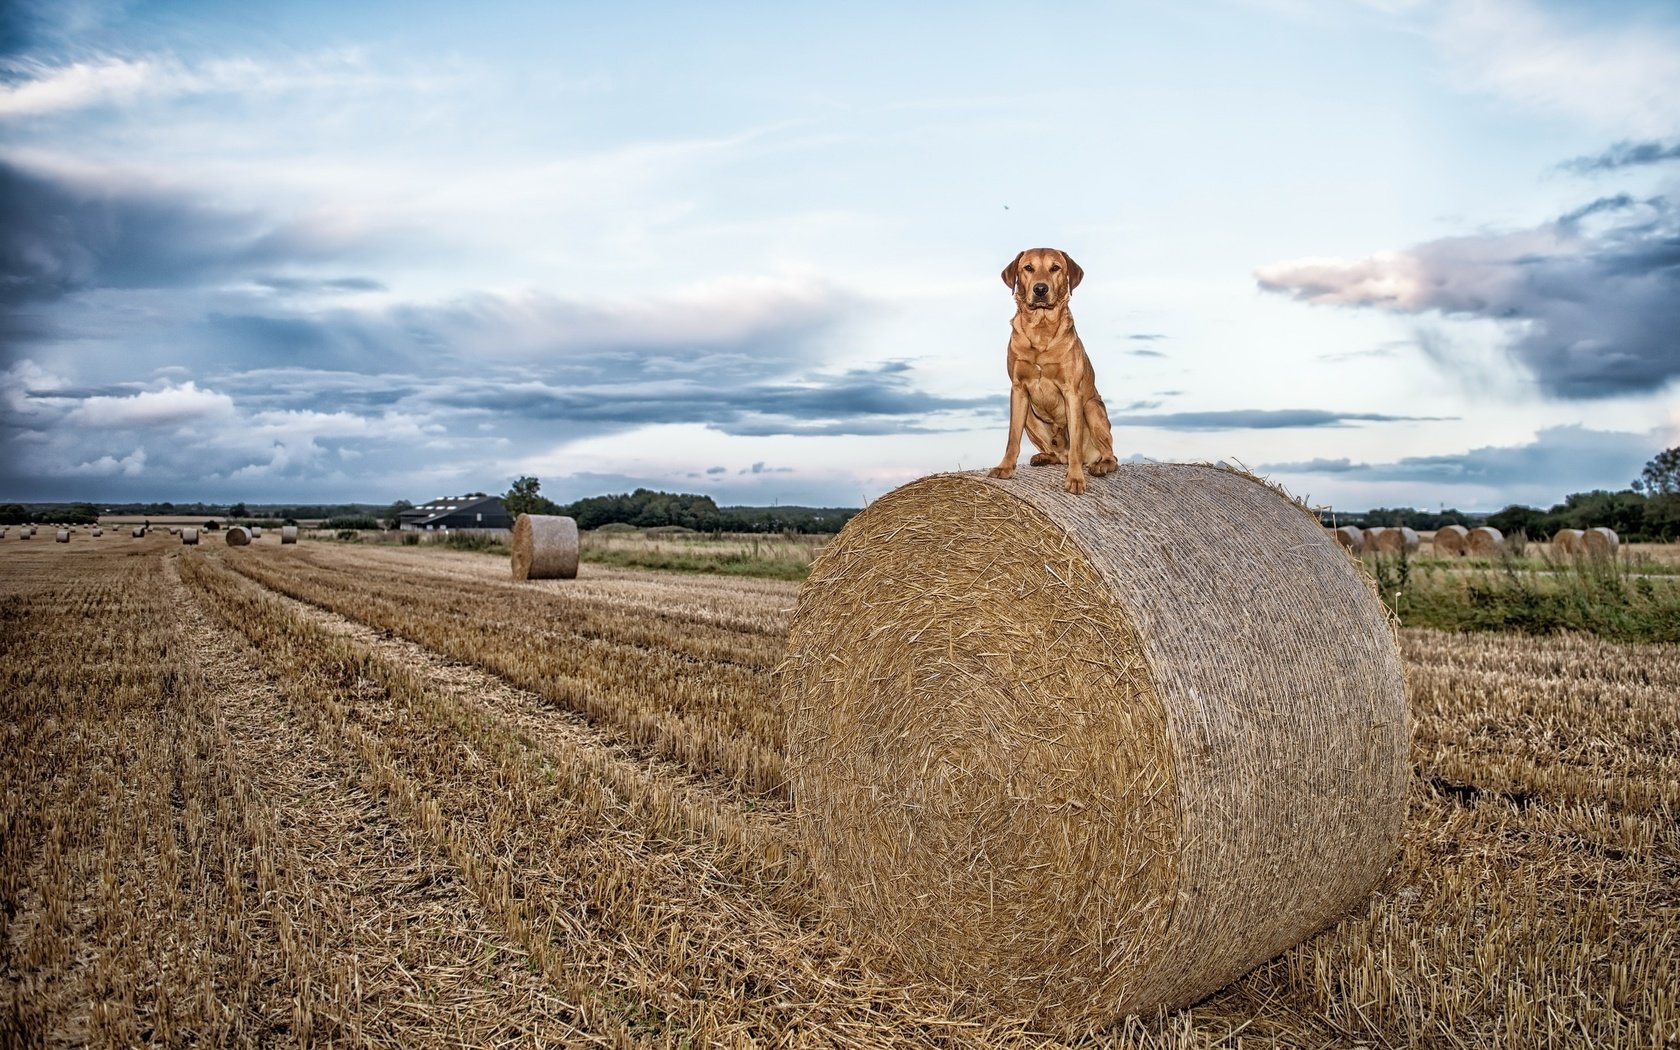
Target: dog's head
{"x":1042,"y":278}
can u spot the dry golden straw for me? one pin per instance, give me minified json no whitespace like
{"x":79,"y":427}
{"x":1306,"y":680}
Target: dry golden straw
{"x":189,"y":536}
{"x":1485,"y":541}
{"x":238,"y":536}
{"x":288,"y":534}
{"x":1393,"y":540}
{"x":1450,"y":540}
{"x":1568,"y":541}
{"x":63,"y":536}
{"x":545,"y":547}
{"x":1600,"y":541}
{"x":1351,"y":537}
{"x":1074,"y":760}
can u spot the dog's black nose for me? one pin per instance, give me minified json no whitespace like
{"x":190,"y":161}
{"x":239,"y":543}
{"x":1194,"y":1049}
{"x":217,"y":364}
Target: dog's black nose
{"x":1041,"y":289}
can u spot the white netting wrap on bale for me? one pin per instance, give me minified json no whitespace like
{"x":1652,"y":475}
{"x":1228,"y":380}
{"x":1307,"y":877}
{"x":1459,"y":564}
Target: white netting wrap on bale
{"x":1350,"y":536}
{"x":288,"y":534}
{"x":1450,"y":540}
{"x":1485,"y":541}
{"x":189,"y":536}
{"x":1600,"y":541}
{"x":1073,"y":759}
{"x":238,"y":536}
{"x":545,"y":547}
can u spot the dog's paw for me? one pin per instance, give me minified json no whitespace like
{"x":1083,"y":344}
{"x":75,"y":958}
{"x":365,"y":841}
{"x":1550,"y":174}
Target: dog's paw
{"x":1045,"y":459}
{"x":1002,"y":472}
{"x":1075,"y":484}
{"x":1105,"y":465}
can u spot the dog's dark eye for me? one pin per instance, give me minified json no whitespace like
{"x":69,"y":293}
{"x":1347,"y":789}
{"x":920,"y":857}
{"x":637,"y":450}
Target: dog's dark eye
{"x":1055,"y":269}
{"x":1027,"y":267}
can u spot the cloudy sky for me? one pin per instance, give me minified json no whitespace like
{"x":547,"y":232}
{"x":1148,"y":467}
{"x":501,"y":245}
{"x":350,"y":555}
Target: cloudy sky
{"x":1409,"y":252}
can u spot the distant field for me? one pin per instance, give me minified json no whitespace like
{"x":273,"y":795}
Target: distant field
{"x":384,"y":796}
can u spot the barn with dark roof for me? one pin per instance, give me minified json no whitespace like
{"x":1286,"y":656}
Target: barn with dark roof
{"x":459,"y":512}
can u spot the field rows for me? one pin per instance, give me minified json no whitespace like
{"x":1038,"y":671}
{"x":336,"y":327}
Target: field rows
{"x":388,"y":797}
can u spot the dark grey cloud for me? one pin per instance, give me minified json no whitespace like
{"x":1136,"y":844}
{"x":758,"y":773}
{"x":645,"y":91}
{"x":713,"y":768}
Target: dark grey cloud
{"x":305,"y":285}
{"x":1558,"y":461}
{"x":1146,"y":337}
{"x":1258,"y":419}
{"x":59,"y":236}
{"x":1593,"y":296}
{"x":1624,"y":154}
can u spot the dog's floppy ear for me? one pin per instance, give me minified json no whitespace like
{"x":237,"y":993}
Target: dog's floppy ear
{"x":1075,"y":272}
{"x":1012,"y":272}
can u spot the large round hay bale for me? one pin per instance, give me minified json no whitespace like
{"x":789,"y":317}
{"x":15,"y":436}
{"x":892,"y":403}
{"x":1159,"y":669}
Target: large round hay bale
{"x":1372,"y":535}
{"x":1567,"y":541}
{"x":63,"y":536}
{"x":138,"y":531}
{"x":1350,"y":536}
{"x":189,"y":536}
{"x":238,"y":536}
{"x":97,"y":531}
{"x":256,"y":532}
{"x":1485,"y":541}
{"x":1450,"y":540}
{"x":545,"y":547}
{"x":1396,"y":540}
{"x":25,"y":532}
{"x":288,"y":534}
{"x":1600,"y":541}
{"x":1072,"y":759}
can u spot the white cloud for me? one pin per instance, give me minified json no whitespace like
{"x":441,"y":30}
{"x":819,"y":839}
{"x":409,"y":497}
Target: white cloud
{"x":174,"y":404}
{"x":1622,"y":78}
{"x":130,"y":466}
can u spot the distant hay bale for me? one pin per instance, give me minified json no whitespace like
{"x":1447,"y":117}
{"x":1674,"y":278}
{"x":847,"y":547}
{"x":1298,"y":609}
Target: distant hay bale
{"x":1395,"y":540}
{"x":1450,"y":540}
{"x":238,"y":536}
{"x":1600,"y":541}
{"x":545,"y":547}
{"x":1350,"y":536}
{"x":1485,"y":541}
{"x":138,"y":531}
{"x":25,"y":532}
{"x":1568,"y":541}
{"x":256,"y":532}
{"x":288,"y":534}
{"x":1073,"y":760}
{"x":63,"y":536}
{"x":1371,"y":536}
{"x":97,"y":531}
{"x":189,"y":536}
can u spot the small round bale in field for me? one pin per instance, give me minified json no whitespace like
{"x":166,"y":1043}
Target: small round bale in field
{"x":1351,"y":537}
{"x":97,"y":531}
{"x":1072,"y":759}
{"x":1450,"y":540}
{"x":63,"y":536}
{"x":1372,"y":535}
{"x":545,"y":547}
{"x":1485,"y":541}
{"x":238,"y":536}
{"x":1396,"y":539}
{"x":288,"y":534}
{"x":256,"y":532}
{"x":189,"y":536}
{"x":138,"y":531}
{"x":1600,"y":541}
{"x":1568,"y":541}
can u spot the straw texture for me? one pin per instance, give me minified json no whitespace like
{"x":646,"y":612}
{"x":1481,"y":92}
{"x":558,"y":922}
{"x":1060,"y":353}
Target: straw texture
{"x":545,"y":547}
{"x":1568,"y":541}
{"x":1450,"y":540}
{"x":63,"y":536}
{"x":1600,"y":541}
{"x":288,"y":534}
{"x":189,"y":536}
{"x":1372,"y":535}
{"x":238,"y":536}
{"x":1350,"y":536}
{"x":1485,"y":541}
{"x":1394,"y":539}
{"x":1074,"y":759}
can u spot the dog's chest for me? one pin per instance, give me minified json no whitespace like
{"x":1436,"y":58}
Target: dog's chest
{"x":1045,"y":396}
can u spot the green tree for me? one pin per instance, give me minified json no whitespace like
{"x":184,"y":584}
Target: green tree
{"x":393,"y":513}
{"x":1661,"y":476}
{"x":524,"y":498}
{"x":238,"y":510}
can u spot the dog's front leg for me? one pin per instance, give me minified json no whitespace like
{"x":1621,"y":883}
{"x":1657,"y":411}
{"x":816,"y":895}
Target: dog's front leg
{"x":1017,"y":423}
{"x":1076,"y":440}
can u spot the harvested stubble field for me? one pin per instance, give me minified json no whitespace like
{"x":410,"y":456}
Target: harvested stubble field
{"x":385,"y":796}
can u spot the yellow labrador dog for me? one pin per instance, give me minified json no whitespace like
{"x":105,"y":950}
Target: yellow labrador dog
{"x":1052,"y":390}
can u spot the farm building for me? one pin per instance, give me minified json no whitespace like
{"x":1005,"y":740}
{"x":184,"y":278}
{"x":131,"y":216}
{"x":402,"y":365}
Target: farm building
{"x":459,"y":512}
